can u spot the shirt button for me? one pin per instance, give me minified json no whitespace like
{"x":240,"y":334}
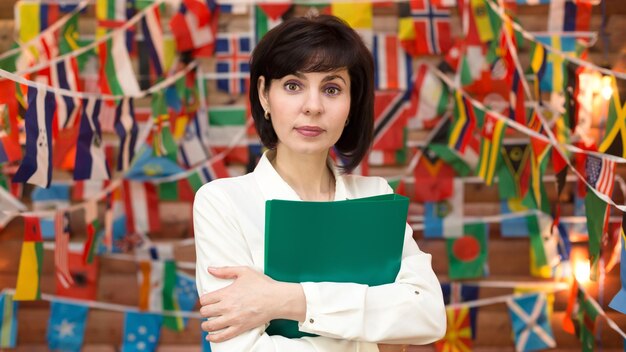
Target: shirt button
{"x":417,"y":292}
{"x":311,"y":321}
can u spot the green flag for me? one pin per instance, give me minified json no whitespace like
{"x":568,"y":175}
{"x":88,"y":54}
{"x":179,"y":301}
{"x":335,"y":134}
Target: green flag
{"x":596,"y":211}
{"x":467,"y":254}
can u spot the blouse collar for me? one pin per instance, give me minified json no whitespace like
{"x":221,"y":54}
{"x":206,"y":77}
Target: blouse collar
{"x":274,"y":187}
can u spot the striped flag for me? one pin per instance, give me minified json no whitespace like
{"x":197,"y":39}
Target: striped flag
{"x":61,"y":247}
{"x":392,"y":65}
{"x":64,"y":74}
{"x":153,"y":35}
{"x":569,"y":16}
{"x":207,"y":173}
{"x":614,"y":140}
{"x":268,"y":16}
{"x":8,"y":321}
{"x":141,"y":200}
{"x":192,"y":148}
{"x":600,"y":174}
{"x":116,"y":70}
{"x":429,"y":99}
{"x":126,"y":128}
{"x":36,"y":167}
{"x":554,"y":77}
{"x":389,"y":128}
{"x":29,"y":273}
{"x":93,"y":231}
{"x":540,"y":152}
{"x":424,"y":28}
{"x":90,"y":156}
{"x":226,"y":125}
{"x":492,"y":134}
{"x":194,"y":25}
{"x":150,"y":281}
{"x":463,"y":123}
{"x":170,"y":298}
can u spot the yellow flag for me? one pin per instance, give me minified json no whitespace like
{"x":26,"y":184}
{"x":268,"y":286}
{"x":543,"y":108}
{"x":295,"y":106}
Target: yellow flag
{"x":358,"y":15}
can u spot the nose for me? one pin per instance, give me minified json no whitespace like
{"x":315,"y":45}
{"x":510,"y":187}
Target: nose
{"x":313,"y":104}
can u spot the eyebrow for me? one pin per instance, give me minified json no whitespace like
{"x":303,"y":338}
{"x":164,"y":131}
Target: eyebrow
{"x":325,"y":79}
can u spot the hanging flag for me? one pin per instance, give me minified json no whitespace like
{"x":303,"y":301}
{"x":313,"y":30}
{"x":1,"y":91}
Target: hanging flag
{"x":267,"y":16}
{"x":424,"y":28}
{"x":514,"y":174}
{"x":36,"y":167}
{"x":467,"y":255}
{"x":64,"y":74}
{"x":434,"y":176}
{"x":61,"y":248}
{"x":227,"y":128}
{"x":456,"y":292}
{"x":29,"y":272}
{"x":232,"y":56}
{"x":194,"y":25}
{"x":93,"y":232}
{"x":141,"y":331}
{"x":153,"y":35}
{"x":389,"y":145}
{"x":614,"y":140}
{"x":619,"y":300}
{"x":569,"y":16}
{"x":490,"y":144}
{"x":10,"y":149}
{"x":463,"y":123}
{"x":513,"y":226}
{"x":146,"y":166}
{"x":186,"y":292}
{"x":480,"y":15}
{"x":150,"y":281}
{"x":116,"y":70}
{"x":170,"y":298}
{"x":66,"y":327}
{"x":580,"y":317}
{"x":90,"y":157}
{"x":55,"y":196}
{"x":126,"y":128}
{"x":358,"y":15}
{"x":554,"y":77}
{"x":429,"y":99}
{"x":207,"y":173}
{"x":543,"y":245}
{"x":8,"y":321}
{"x":392,"y":65}
{"x":193,"y":149}
{"x":85,"y":277}
{"x":458,"y":335}
{"x":530,"y":323}
{"x":445,"y":218}
{"x":87,"y":189}
{"x":540,"y":155}
{"x":141,"y":200}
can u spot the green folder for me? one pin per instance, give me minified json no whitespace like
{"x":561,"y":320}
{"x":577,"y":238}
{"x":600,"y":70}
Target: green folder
{"x":358,"y":240}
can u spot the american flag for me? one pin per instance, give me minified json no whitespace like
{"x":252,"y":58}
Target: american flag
{"x":62,"y":240}
{"x":600,"y":174}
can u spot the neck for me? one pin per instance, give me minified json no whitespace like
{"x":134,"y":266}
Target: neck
{"x":308,"y":175}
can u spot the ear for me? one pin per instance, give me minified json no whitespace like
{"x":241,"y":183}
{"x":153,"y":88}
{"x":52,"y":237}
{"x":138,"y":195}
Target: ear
{"x":262,"y":93}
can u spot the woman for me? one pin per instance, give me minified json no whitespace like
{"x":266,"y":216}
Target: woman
{"x":311,"y":90}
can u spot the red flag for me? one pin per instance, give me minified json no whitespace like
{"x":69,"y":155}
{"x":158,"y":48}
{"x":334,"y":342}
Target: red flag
{"x":62,"y":239}
{"x":85,"y":277}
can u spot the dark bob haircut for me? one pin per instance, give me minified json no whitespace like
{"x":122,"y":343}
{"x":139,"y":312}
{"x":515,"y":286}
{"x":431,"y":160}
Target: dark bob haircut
{"x":318,"y":44}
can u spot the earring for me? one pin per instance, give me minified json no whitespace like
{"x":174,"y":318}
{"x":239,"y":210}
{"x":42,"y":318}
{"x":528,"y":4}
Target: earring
{"x":347,"y":122}
{"x":267,"y":115}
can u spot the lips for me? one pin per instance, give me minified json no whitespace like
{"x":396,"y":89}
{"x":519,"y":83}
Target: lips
{"x":309,"y":131}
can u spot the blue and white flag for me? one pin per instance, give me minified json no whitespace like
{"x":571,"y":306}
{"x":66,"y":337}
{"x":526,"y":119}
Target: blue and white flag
{"x":36,"y":167}
{"x":8,"y":321}
{"x":147,"y":166}
{"x":192,"y":149}
{"x":55,"y":196}
{"x":64,"y":74}
{"x":186,"y":293}
{"x":153,"y":35}
{"x":126,"y":128}
{"x":66,"y":327}
{"x":529,"y":320}
{"x":90,"y":157}
{"x":232,"y":54}
{"x":141,"y":332}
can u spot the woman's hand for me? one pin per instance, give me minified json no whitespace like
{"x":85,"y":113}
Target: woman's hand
{"x":252,"y":300}
{"x":392,"y":348}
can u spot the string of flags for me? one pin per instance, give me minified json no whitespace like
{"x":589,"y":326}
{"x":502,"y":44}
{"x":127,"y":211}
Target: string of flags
{"x":169,"y":154}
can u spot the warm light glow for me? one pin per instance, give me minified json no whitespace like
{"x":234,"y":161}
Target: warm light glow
{"x":582,"y":271}
{"x":607,"y":88}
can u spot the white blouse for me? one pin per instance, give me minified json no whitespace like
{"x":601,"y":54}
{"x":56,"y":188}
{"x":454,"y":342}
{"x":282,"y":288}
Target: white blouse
{"x":229,"y":224}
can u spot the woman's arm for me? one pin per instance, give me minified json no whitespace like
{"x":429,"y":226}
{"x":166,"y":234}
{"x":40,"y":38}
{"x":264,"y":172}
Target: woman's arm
{"x":219,"y":243}
{"x":410,"y":310}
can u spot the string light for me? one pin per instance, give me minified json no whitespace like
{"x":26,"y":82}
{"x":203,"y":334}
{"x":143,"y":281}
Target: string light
{"x":582,"y":271}
{"x":606,"y":89}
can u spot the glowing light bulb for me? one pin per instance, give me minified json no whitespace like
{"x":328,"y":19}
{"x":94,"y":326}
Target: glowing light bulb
{"x":607,"y":88}
{"x":582,"y":271}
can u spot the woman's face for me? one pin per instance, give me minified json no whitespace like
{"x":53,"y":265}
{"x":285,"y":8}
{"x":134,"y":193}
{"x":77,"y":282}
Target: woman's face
{"x":308,"y":110}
